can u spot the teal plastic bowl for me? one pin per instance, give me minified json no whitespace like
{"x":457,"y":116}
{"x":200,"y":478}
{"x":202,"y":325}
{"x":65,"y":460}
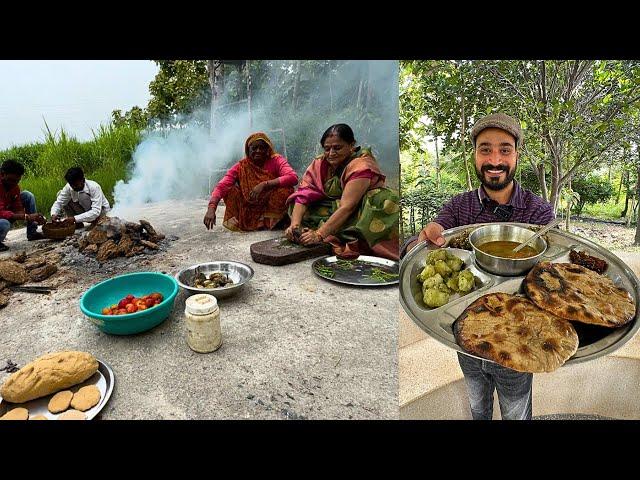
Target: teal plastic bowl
{"x":111,"y":291}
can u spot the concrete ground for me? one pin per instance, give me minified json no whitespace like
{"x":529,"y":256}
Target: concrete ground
{"x":294,"y":345}
{"x":431,"y":384}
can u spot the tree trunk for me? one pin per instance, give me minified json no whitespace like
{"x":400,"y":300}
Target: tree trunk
{"x":637,"y":238}
{"x":412,"y":220}
{"x":543,"y":182}
{"x":369,"y":86}
{"x":400,"y":192}
{"x":296,"y":86}
{"x":567,"y":223}
{"x":215,"y":68}
{"x":360,"y":101}
{"x":248,"y":74}
{"x":330,"y":93}
{"x":437,"y":165}
{"x":622,"y":175}
{"x":463,"y":137}
{"x":626,"y":196}
{"x":555,"y":184}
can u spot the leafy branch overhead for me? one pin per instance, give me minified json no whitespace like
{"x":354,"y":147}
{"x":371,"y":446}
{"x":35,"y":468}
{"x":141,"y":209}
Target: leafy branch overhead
{"x":576,"y":115}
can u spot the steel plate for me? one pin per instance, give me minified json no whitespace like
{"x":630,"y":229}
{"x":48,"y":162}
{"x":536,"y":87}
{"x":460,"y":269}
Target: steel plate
{"x":357,"y":272}
{"x":103,"y":379}
{"x":594,"y":341}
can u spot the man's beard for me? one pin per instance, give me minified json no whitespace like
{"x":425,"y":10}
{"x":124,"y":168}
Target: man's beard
{"x":496,"y":184}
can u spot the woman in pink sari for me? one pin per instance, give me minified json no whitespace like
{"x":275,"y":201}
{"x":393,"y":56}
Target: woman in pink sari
{"x":342,"y":200}
{"x":255,"y":189}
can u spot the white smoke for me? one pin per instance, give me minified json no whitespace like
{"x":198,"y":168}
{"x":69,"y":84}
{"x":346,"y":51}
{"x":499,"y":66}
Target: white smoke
{"x":185,"y":162}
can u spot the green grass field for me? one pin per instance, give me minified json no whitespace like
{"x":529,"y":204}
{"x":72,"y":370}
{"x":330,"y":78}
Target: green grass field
{"x":104,"y":159}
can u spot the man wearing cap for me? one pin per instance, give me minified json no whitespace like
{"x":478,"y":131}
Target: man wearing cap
{"x":496,"y":140}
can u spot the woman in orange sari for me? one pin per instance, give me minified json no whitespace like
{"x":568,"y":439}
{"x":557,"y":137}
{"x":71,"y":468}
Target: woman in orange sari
{"x":342,"y":200}
{"x":255,"y":189}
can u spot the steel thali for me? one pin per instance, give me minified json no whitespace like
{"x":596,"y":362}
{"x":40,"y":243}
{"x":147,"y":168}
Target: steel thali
{"x":365,"y":271}
{"x":103,"y":379}
{"x":594,"y":341}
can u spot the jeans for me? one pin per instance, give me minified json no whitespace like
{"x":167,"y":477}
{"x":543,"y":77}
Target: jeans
{"x":5,"y":226}
{"x":29,"y":203}
{"x":514,"y":389}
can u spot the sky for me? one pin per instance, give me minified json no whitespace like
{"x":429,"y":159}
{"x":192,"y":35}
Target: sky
{"x":78,"y":95}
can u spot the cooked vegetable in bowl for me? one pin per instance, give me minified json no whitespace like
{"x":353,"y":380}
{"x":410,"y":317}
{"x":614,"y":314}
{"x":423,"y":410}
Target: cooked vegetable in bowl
{"x":443,"y":277}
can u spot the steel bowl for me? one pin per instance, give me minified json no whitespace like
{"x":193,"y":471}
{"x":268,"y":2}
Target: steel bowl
{"x":236,"y":271}
{"x":505,"y":232}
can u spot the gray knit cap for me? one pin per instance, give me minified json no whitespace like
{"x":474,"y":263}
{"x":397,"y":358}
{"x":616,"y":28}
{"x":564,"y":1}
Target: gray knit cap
{"x":501,"y":121}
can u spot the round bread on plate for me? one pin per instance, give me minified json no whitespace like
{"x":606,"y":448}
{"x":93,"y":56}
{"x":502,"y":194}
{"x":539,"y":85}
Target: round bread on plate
{"x":574,"y":292}
{"x":515,"y":333}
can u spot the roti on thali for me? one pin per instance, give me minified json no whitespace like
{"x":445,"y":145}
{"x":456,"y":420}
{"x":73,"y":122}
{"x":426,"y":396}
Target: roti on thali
{"x":576,"y":293}
{"x":594,"y":340}
{"x":512,"y":331}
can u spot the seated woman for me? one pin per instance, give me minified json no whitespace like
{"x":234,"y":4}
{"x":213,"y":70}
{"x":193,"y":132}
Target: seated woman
{"x":342,"y":200}
{"x":255,"y":189}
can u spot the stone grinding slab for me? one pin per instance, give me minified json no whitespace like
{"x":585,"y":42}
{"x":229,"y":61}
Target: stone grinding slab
{"x":280,"y":251}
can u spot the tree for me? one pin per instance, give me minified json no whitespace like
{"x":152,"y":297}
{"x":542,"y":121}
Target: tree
{"x":136,"y":117}
{"x":179,"y":88}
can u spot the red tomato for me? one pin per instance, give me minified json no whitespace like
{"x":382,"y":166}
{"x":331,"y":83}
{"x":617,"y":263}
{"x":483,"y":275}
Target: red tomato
{"x":129,"y":297}
{"x":149,"y":302}
{"x":122,"y":311}
{"x":131,"y":308}
{"x":123,"y":303}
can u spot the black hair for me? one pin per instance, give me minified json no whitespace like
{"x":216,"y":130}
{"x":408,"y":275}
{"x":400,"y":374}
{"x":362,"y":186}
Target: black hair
{"x":11,"y":166}
{"x":74,"y":174}
{"x":342,"y":130}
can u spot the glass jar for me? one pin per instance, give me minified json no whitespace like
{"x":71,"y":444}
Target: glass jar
{"x":202,"y":317}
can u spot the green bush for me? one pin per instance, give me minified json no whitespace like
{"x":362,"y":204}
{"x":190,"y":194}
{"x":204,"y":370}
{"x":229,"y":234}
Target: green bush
{"x":422,"y":204}
{"x":592,"y":189}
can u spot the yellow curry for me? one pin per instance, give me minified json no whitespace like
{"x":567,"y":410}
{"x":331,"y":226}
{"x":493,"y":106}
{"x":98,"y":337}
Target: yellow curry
{"x":504,"y":249}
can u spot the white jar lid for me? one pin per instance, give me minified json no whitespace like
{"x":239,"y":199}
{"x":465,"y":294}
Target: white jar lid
{"x":201,"y":304}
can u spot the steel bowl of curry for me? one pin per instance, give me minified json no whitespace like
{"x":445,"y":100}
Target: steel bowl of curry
{"x":493,"y":247}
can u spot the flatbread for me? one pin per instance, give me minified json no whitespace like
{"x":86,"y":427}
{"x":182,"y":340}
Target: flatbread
{"x":60,"y":401}
{"x":18,"y":413}
{"x":85,"y":398}
{"x":515,"y":333}
{"x":72,"y":415}
{"x":576,"y":293}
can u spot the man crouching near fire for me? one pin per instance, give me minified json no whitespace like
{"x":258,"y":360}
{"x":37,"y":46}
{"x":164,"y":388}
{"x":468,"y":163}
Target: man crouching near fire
{"x":16,"y":205}
{"x":81,"y":200}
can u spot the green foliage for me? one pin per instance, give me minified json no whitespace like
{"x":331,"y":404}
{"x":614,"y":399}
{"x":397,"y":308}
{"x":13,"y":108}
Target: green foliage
{"x":573,"y":113}
{"x":180,"y":87}
{"x":25,"y":154}
{"x":136,"y":118}
{"x":591,"y":189}
{"x":421,"y":205}
{"x":104,"y":160}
